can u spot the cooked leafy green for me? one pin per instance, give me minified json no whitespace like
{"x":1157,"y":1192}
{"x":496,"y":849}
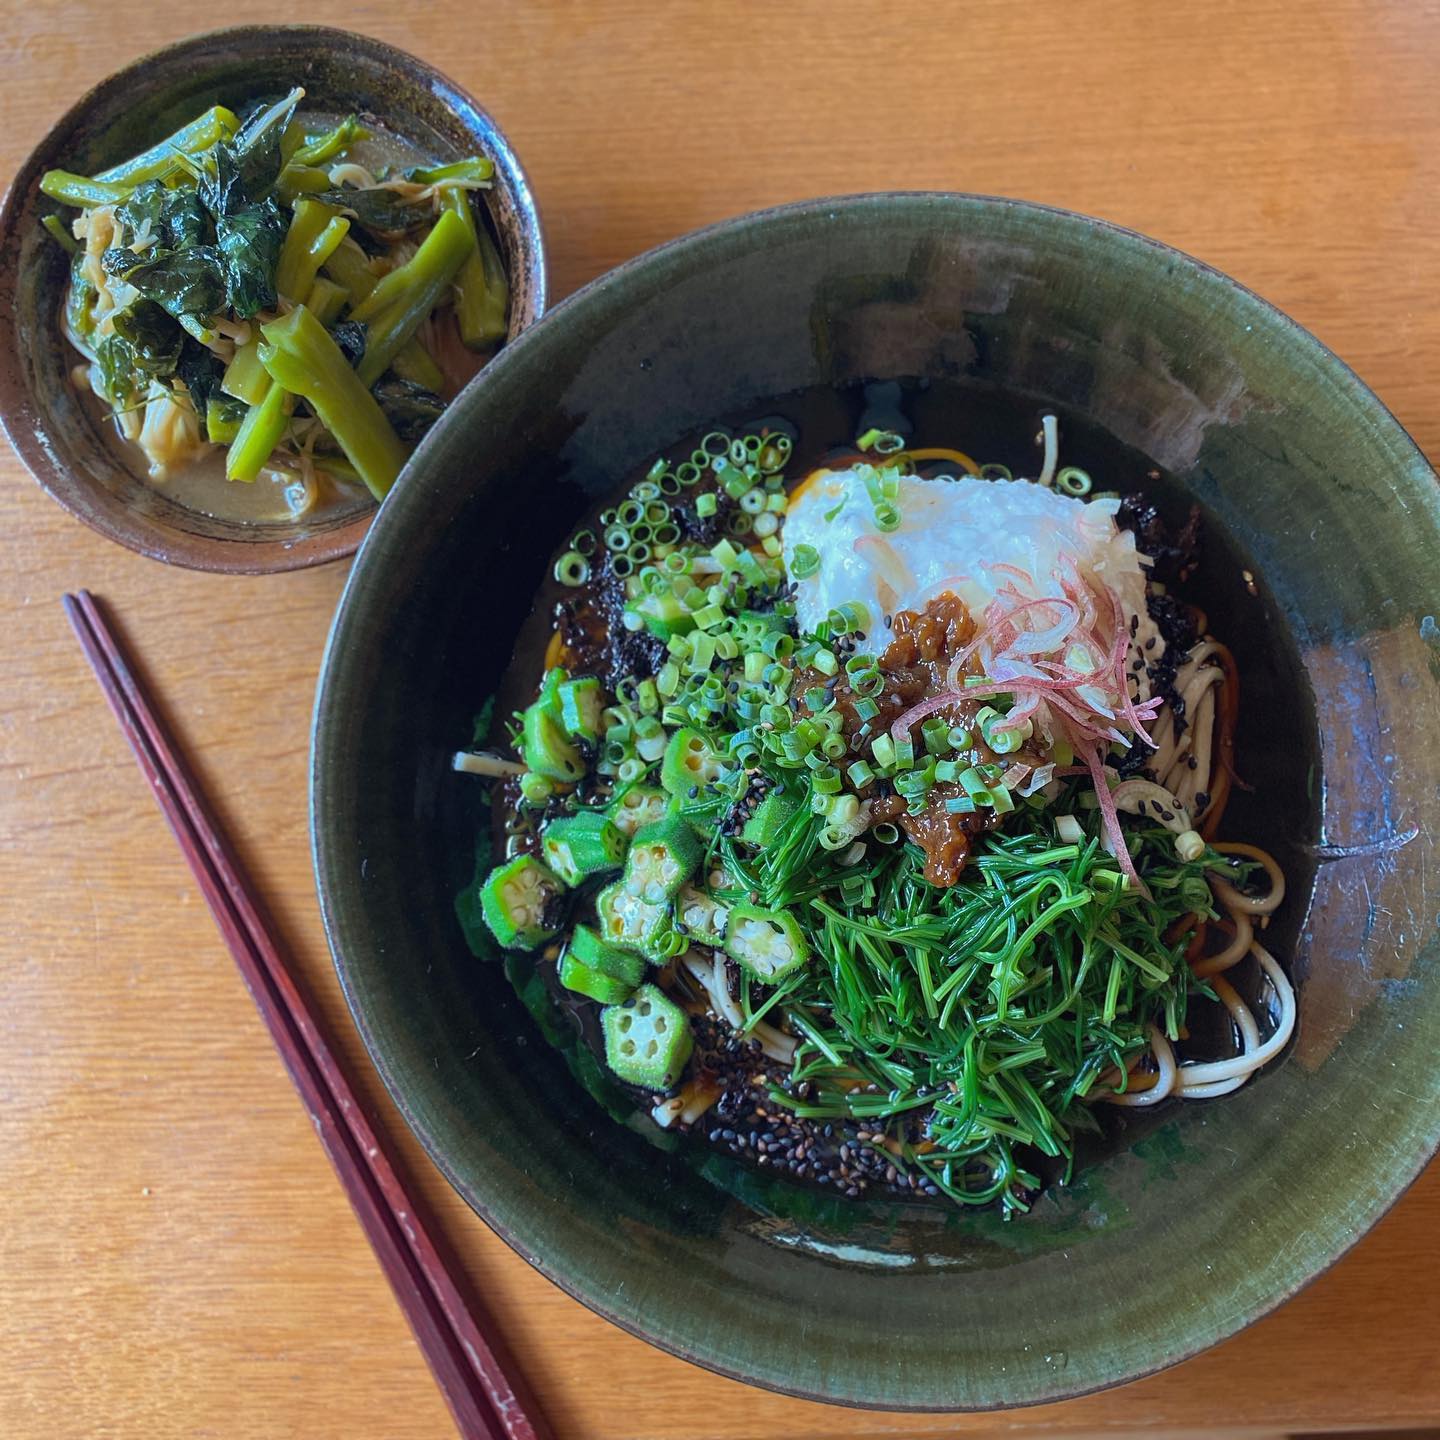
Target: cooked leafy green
{"x":349,"y":335}
{"x":410,"y":408}
{"x":382,"y":213}
{"x":116,"y":359}
{"x":154,"y":338}
{"x":202,"y":371}
{"x":145,"y":344}
{"x":185,"y":282}
{"x":249,"y":242}
{"x":245,"y":170}
{"x":175,"y":219}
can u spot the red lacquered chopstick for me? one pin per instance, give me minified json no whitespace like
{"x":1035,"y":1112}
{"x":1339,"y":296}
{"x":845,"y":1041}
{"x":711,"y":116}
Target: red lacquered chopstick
{"x":478,"y":1382}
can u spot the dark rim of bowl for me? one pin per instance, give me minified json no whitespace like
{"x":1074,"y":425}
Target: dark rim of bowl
{"x":256,"y":557}
{"x":334,"y":922}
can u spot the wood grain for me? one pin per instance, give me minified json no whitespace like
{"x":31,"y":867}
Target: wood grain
{"x":162,"y":1274}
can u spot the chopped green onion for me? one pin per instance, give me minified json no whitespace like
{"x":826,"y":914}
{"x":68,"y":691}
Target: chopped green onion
{"x":572,"y":568}
{"x":1073,"y":481}
{"x":936,"y":734}
{"x":860,"y":774}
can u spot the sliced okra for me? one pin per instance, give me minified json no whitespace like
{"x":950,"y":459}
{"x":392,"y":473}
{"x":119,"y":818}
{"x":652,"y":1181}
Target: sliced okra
{"x":581,"y":845}
{"x":647,"y":1039}
{"x":604,"y":972}
{"x":517,"y":901}
{"x":637,"y":806}
{"x":662,"y":857}
{"x":581,"y":702}
{"x":626,"y":920}
{"x":767,"y":943}
{"x":545,"y":748}
{"x":690,"y":762}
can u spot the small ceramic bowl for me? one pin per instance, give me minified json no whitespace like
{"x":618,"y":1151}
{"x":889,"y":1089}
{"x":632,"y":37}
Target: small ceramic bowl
{"x":57,"y":431}
{"x":1202,"y":1216}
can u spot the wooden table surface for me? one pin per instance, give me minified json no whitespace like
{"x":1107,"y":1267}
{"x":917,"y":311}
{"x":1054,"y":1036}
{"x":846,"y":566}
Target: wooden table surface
{"x":177,"y":1258}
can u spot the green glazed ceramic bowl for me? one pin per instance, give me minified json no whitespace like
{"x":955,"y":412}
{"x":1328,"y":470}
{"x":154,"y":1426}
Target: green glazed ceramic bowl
{"x":1204,"y":1217}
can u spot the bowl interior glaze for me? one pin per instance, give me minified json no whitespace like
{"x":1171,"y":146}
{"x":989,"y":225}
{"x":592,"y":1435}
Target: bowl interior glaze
{"x":1212,"y":1214}
{"x":57,"y":431}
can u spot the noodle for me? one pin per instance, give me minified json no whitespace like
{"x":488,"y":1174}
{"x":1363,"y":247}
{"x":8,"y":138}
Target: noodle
{"x":1164,"y":1083}
{"x":1197,"y":683}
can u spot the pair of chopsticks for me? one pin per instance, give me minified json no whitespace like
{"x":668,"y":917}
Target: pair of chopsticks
{"x":478,"y":1383}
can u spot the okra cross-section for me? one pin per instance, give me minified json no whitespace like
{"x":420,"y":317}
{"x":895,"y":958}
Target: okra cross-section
{"x":647,"y":1039}
{"x":690,"y":762}
{"x":545,"y":747}
{"x":581,"y":704}
{"x":519,"y":901}
{"x":662,"y":857}
{"x":703,"y":917}
{"x":578,"y":846}
{"x":639,"y":805}
{"x":632,"y":923}
{"x":767,"y":943}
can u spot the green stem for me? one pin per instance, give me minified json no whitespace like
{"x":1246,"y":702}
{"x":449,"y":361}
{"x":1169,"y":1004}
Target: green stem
{"x":348,"y":266}
{"x":220,"y":428}
{"x":296,"y":180}
{"x":80,"y":191}
{"x":326,"y":300}
{"x":260,"y":432}
{"x":60,"y":231}
{"x":331,"y":143}
{"x":302,"y":357}
{"x":158,"y":161}
{"x":474,"y":167}
{"x":484,"y":292}
{"x":412,"y":362}
{"x":429,"y":275}
{"x":245,"y":377}
{"x":310,"y":232}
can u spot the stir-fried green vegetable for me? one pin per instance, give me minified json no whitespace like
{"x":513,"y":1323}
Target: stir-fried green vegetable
{"x":185,"y":255}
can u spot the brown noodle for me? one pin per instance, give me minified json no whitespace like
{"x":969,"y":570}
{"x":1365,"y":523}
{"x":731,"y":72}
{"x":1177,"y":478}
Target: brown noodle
{"x":1211,"y":778}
